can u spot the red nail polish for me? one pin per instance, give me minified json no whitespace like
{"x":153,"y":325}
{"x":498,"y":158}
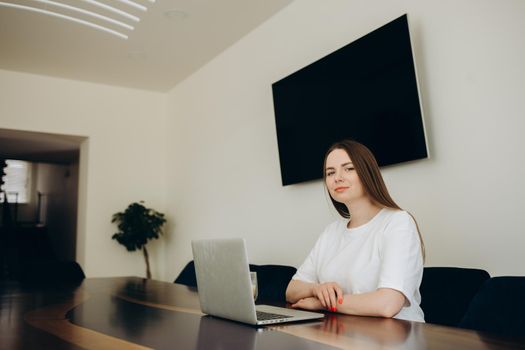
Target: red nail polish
{"x":340,"y":301}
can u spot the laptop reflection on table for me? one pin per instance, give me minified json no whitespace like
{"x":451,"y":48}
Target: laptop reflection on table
{"x":215,"y":333}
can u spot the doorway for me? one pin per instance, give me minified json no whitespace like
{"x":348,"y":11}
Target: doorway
{"x":39,"y":204}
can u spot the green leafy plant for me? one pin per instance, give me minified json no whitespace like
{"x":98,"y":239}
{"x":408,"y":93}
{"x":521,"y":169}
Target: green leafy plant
{"x":136,"y":225}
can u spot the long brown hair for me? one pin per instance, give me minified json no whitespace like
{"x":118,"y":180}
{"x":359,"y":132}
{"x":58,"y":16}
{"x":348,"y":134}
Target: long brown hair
{"x":365,"y":165}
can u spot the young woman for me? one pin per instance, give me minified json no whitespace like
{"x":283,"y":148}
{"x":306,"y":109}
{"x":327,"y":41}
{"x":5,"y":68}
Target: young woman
{"x":370,"y":262}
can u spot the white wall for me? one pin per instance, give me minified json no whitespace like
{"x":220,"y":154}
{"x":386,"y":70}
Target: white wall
{"x":223,"y":161}
{"x":123,"y":159}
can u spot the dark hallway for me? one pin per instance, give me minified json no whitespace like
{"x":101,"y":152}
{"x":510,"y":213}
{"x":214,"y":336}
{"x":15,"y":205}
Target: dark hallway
{"x":39,"y":195}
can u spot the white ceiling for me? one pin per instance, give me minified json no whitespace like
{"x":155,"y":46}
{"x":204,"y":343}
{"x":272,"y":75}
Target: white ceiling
{"x":159,"y":53}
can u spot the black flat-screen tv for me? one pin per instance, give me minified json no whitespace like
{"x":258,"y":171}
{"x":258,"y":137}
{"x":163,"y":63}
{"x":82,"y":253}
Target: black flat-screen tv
{"x":366,"y":91}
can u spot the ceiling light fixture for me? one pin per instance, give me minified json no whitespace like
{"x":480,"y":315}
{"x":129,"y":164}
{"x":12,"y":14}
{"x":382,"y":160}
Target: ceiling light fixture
{"x":69,"y":18}
{"x":137,"y":55}
{"x":86,"y":12}
{"x":176,"y":14}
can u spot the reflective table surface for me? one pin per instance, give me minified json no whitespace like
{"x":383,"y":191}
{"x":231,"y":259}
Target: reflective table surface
{"x":135,"y":313}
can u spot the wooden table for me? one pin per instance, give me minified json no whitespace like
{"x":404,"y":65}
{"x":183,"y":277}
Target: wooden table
{"x":134,"y":313}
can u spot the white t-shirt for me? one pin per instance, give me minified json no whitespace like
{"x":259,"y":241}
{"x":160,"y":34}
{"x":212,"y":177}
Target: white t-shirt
{"x":383,"y":253}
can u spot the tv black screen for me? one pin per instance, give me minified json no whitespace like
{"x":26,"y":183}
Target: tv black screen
{"x":366,"y":91}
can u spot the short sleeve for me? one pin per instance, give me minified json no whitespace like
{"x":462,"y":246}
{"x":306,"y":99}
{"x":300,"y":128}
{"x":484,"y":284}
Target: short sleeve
{"x":401,"y":257}
{"x":307,"y":272}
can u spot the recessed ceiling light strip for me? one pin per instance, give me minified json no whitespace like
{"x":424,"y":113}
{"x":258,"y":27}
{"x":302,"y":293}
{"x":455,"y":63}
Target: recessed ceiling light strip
{"x":134,"y":4}
{"x":68,"y":18}
{"x":86,"y":12}
{"x":112,"y":9}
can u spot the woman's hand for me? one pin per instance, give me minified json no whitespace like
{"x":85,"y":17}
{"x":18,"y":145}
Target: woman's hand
{"x":329,"y":294}
{"x":310,"y":303}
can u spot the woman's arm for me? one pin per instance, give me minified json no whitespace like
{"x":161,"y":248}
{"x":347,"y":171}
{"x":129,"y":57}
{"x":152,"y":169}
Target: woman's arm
{"x":297,"y":290}
{"x":329,"y":294}
{"x":383,"y":302}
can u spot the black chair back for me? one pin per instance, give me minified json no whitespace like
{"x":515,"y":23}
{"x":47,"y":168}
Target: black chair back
{"x":187,"y":275}
{"x":498,"y":307}
{"x":446,"y":293}
{"x":272,"y":280}
{"x":188,"y":278}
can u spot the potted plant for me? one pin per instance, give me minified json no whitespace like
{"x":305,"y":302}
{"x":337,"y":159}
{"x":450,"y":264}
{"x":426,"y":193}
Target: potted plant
{"x":136,"y":225}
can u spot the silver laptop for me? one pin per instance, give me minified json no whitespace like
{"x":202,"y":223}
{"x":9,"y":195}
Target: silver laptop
{"x":225,"y":289}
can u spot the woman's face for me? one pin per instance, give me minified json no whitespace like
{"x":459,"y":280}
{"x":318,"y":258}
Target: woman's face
{"x":341,"y":178}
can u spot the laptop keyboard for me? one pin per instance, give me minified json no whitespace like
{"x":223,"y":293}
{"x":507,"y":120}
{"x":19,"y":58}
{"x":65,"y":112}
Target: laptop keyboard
{"x":264,"y":316}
